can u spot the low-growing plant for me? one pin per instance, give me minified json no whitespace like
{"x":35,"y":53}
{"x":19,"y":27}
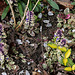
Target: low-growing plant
{"x":67,"y":21}
{"x":58,"y":51}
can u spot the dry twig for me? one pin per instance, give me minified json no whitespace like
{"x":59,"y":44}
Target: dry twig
{"x":25,"y":13}
{"x":12,"y":12}
{"x":23,"y":16}
{"x":35,"y":5}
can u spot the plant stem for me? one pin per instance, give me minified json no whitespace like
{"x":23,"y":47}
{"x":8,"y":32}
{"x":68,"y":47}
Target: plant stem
{"x":35,"y":5}
{"x":12,"y":12}
{"x":23,"y":16}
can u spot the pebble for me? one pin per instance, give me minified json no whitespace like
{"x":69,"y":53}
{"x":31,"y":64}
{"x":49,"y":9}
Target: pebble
{"x":4,"y":73}
{"x":45,"y":44}
{"x":46,"y":21}
{"x":48,"y":25}
{"x":27,"y":41}
{"x":28,"y":63}
{"x":50,"y":13}
{"x":27,"y":72}
{"x":40,"y":28}
{"x":19,"y":41}
{"x":40,"y":15}
{"x":63,"y":29}
{"x":73,"y":30}
{"x":39,"y":71}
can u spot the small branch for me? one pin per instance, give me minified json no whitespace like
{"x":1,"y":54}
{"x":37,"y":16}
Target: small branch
{"x":23,"y":16}
{"x":35,"y":5}
{"x":12,"y":12}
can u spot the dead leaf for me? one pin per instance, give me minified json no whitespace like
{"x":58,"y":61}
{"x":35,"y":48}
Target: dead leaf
{"x":36,"y":73}
{"x":45,"y":73}
{"x":66,"y":4}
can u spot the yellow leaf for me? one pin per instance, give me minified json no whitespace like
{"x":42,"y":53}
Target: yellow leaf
{"x":52,"y":45}
{"x":62,"y":49}
{"x":73,"y":67}
{"x":65,"y":61}
{"x":68,"y":69}
{"x":68,"y":53}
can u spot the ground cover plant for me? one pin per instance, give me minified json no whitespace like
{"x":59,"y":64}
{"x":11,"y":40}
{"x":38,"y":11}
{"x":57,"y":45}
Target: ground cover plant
{"x":37,"y":37}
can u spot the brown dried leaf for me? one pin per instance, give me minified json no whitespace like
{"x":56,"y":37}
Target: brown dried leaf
{"x":36,"y":73}
{"x":66,"y":4}
{"x":45,"y":73}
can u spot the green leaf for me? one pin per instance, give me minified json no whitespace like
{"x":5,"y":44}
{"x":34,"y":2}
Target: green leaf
{"x":5,"y":12}
{"x":70,"y":62}
{"x":61,"y":61}
{"x":53,"y":4}
{"x":36,"y":9}
{"x":66,"y":11}
{"x":20,"y":9}
{"x":73,"y":3}
{"x":30,"y":6}
{"x":23,"y":5}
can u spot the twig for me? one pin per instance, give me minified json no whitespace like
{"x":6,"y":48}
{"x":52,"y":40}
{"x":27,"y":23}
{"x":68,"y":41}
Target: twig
{"x":12,"y":12}
{"x":35,"y":5}
{"x":23,"y":16}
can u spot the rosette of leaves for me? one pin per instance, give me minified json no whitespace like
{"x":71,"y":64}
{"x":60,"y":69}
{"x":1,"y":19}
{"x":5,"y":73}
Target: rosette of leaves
{"x":60,"y":53}
{"x":66,"y":20}
{"x":64,"y":58}
{"x":29,"y":19}
{"x":30,"y":23}
{"x":3,"y":45}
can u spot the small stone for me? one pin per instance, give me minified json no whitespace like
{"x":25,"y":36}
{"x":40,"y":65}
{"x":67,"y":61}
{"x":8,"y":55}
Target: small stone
{"x":27,"y":72}
{"x":63,"y":29}
{"x":50,"y":13}
{"x":46,"y":21}
{"x":40,"y":15}
{"x":73,"y":30}
{"x":32,"y":45}
{"x":39,"y":71}
{"x":19,"y":41}
{"x":28,"y":63}
{"x":40,"y":28}
{"x":4,"y":73}
{"x":49,"y":25}
{"x":27,"y":41}
{"x":45,"y":44}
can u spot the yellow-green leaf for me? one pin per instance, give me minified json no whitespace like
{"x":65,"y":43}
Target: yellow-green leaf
{"x":65,"y":61}
{"x":52,"y":45}
{"x":68,"y":53}
{"x":68,"y":69}
{"x":62,"y":49}
{"x":73,"y":67}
